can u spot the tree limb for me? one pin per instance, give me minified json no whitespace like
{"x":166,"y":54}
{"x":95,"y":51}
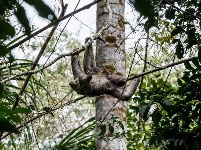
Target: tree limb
{"x":52,"y":23}
{"x":183,"y":11}
{"x":37,"y":59}
{"x":163,"y":67}
{"x":78,"y":50}
{"x":42,"y":114}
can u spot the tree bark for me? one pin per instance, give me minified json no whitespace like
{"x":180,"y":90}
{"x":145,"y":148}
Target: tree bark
{"x":111,"y":53}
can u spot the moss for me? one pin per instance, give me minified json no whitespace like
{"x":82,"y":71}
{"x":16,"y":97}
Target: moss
{"x":111,"y":39}
{"x":119,"y":73}
{"x":121,"y":23}
{"x":109,"y":69}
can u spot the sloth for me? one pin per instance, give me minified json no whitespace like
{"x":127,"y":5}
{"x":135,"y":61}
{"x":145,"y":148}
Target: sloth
{"x":91,"y":82}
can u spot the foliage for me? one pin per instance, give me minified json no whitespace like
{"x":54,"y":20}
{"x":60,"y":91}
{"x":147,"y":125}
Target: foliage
{"x":8,"y":95}
{"x":10,"y":8}
{"x":174,"y":112}
{"x":171,"y":110}
{"x":164,"y":114}
{"x":184,"y":15}
{"x":8,"y":64}
{"x":81,"y":137}
{"x":146,"y":9}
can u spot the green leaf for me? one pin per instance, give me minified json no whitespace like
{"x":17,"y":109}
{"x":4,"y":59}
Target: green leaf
{"x":157,"y":75}
{"x":48,"y":110}
{"x":90,"y":120}
{"x":111,"y":129}
{"x":186,"y":76}
{"x":121,"y":125}
{"x":191,"y":42}
{"x":135,"y":108}
{"x":1,"y":90}
{"x":196,"y":62}
{"x":103,"y":130}
{"x":5,"y":109}
{"x":176,"y":31}
{"x":199,"y":52}
{"x":170,"y":13}
{"x":150,"y":23}
{"x":15,"y":118}
{"x":180,"y":82}
{"x":5,"y":125}
{"x":144,"y":7}
{"x":160,"y":81}
{"x":154,"y":84}
{"x":144,"y":85}
{"x":73,"y":135}
{"x":179,"y":50}
{"x":156,"y":117}
{"x":188,"y":65}
{"x":175,"y":41}
{"x":22,"y":110}
{"x":22,"y":18}
{"x":136,"y":99}
{"x":6,"y":30}
{"x":43,"y":9}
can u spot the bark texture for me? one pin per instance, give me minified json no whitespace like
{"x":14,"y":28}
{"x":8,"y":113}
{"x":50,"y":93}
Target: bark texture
{"x":90,"y":82}
{"x":111,"y":54}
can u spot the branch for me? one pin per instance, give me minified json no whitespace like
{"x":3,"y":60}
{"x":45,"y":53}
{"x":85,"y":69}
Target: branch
{"x":145,"y":61}
{"x":196,"y":16}
{"x":53,"y":23}
{"x":42,"y":114}
{"x":37,"y":59}
{"x":163,"y":67}
{"x":42,"y":68}
{"x":78,"y":50}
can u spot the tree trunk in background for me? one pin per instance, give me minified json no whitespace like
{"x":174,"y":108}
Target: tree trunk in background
{"x":111,"y":52}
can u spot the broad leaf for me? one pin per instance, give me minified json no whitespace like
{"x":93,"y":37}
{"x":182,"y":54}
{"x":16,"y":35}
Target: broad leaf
{"x":6,"y":30}
{"x":196,"y":62}
{"x":22,"y":110}
{"x":5,"y":125}
{"x":177,"y":30}
{"x":151,"y":22}
{"x":188,"y":65}
{"x":179,"y":50}
{"x":103,"y":130}
{"x":22,"y":18}
{"x":43,"y":10}
{"x":111,"y":129}
{"x":144,"y":7}
{"x":170,"y":13}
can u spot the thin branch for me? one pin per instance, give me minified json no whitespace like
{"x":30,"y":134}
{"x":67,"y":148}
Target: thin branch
{"x":42,"y":68}
{"x":142,"y":77}
{"x":62,"y":4}
{"x":78,"y":50}
{"x":53,"y":23}
{"x":59,"y":36}
{"x":163,"y":67}
{"x":43,"y":114}
{"x":37,"y":59}
{"x":186,"y":12}
{"x":145,"y":59}
{"x":168,"y":73}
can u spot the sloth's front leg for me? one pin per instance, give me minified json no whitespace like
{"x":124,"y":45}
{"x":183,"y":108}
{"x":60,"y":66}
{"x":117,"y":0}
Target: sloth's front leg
{"x":77,"y":73}
{"x":125,"y":93}
{"x":76,"y":68}
{"x":89,"y":62}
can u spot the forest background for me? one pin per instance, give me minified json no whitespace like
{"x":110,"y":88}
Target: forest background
{"x":39,"y":110}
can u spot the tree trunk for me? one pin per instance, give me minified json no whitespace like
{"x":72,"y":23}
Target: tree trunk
{"x":111,"y":55}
